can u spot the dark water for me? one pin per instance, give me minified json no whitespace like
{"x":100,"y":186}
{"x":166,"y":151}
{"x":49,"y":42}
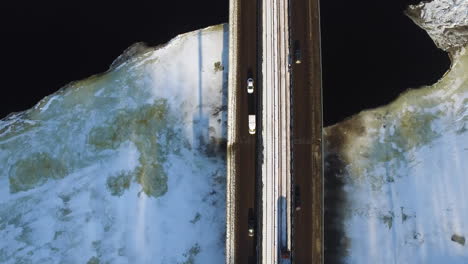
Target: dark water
{"x":371,"y":50}
{"x":371,"y":53}
{"x":45,"y":44}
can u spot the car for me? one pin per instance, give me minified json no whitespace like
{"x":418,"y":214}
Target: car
{"x":250,"y":85}
{"x":297,"y":52}
{"x":297,"y":198}
{"x":252,"y":124}
{"x":298,"y":56}
{"x":251,"y":223}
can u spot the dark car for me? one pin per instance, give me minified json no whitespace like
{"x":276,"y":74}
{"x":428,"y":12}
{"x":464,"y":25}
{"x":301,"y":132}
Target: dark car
{"x":297,"y":198}
{"x":297,"y":52}
{"x":251,"y":223}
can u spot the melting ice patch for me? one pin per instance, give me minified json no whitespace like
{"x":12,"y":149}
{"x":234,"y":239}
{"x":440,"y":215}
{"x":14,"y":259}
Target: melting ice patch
{"x":123,"y":167}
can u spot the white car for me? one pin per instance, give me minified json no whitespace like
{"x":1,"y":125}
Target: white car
{"x":251,"y":230}
{"x":252,"y":124}
{"x":250,"y":85}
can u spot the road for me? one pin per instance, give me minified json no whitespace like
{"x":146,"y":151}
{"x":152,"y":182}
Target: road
{"x":307,"y":133}
{"x":242,"y":146}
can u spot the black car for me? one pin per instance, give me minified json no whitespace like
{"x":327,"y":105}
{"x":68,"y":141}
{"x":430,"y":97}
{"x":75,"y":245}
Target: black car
{"x":297,"y":52}
{"x":251,"y":224}
{"x":297,"y":198}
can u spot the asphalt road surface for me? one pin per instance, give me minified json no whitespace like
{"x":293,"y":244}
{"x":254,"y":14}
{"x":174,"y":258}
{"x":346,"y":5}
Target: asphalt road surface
{"x":246,"y":252}
{"x":307,"y":133}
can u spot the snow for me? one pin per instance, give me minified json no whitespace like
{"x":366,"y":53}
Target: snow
{"x":445,"y":21}
{"x":123,"y":167}
{"x":430,"y":193}
{"x":404,"y":175}
{"x":49,"y":101}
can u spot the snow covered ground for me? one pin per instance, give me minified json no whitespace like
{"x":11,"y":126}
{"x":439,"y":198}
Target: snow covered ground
{"x":127,"y":166}
{"x":402,"y":170}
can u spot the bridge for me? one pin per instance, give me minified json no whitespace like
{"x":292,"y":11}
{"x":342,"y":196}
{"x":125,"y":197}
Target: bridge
{"x":275,"y":179}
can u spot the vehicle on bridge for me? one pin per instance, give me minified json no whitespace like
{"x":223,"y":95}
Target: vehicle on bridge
{"x":251,"y":223}
{"x":250,"y":85}
{"x":252,"y":106}
{"x":297,"y":52}
{"x":252,"y":124}
{"x":297,"y":198}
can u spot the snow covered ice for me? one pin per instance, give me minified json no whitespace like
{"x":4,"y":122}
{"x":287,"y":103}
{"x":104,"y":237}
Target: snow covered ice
{"x":127,"y":166}
{"x":399,"y":172}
